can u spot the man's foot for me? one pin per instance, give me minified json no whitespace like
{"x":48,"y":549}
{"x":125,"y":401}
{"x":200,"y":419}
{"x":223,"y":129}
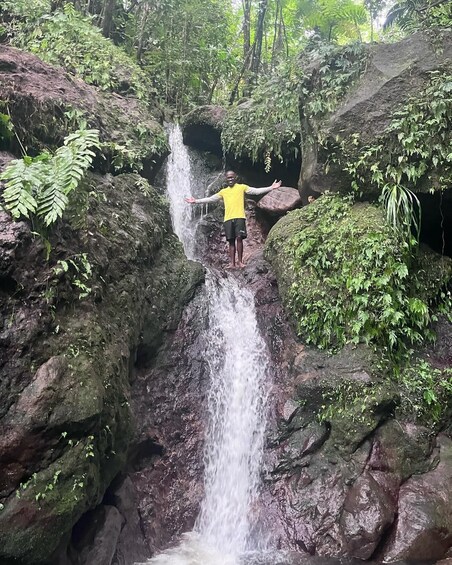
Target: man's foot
{"x":230,"y":267}
{"x":241,"y":265}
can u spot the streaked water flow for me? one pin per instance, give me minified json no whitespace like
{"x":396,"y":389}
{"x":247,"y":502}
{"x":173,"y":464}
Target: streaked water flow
{"x":238,"y":362}
{"x":178,"y":186}
{"x":239,"y":375}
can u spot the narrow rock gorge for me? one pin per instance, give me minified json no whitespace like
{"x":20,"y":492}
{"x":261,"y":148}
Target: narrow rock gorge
{"x":123,"y":337}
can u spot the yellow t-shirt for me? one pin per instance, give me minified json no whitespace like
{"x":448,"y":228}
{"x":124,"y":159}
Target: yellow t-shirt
{"x":234,"y":201}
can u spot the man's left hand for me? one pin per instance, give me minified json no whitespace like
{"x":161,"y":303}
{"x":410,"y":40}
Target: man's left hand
{"x":276,"y":184}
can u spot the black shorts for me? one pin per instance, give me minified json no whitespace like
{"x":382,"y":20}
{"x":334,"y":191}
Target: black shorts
{"x":235,"y":228}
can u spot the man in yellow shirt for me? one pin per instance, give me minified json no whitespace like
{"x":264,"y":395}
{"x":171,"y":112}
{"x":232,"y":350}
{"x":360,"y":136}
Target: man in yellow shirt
{"x":233,"y":197}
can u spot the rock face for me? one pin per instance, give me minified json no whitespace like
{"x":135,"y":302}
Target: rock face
{"x":44,"y":101}
{"x":345,"y":478}
{"x":394,"y":73}
{"x":73,"y":327}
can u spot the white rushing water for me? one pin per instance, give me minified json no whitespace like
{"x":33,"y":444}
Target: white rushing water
{"x":178,"y":186}
{"x":238,"y":362}
{"x":239,"y":383}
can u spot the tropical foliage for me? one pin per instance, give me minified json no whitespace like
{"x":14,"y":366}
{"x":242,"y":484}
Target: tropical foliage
{"x":266,"y":131}
{"x":411,"y":15}
{"x":349,"y":278}
{"x":39,"y":187}
{"x":191,"y":52}
{"x":68,"y":39}
{"x":416,"y":145}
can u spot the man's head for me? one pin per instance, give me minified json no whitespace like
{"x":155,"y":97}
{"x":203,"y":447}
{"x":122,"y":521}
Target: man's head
{"x":231,"y":178}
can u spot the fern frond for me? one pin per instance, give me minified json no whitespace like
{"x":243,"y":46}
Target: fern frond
{"x":23,"y":182}
{"x":41,"y":186}
{"x":52,"y":204}
{"x":68,"y":167}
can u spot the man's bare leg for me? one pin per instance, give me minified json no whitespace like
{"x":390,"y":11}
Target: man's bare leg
{"x":240,"y":252}
{"x":231,"y":254}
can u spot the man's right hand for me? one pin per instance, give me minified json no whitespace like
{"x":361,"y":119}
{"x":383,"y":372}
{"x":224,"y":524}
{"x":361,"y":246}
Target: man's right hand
{"x":190,"y":200}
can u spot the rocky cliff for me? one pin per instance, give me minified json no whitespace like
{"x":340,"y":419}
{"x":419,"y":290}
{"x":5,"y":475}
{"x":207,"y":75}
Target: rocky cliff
{"x":74,"y":325}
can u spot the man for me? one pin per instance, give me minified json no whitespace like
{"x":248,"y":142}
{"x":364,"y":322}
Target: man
{"x":233,"y":197}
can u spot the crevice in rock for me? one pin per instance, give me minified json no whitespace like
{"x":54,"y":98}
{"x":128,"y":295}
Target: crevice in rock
{"x":144,"y":454}
{"x":8,"y":285}
{"x":436,"y":221}
{"x":378,"y":554}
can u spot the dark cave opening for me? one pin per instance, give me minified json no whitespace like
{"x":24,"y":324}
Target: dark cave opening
{"x":436,"y":221}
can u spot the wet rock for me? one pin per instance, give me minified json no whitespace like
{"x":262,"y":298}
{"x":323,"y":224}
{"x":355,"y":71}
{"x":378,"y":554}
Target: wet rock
{"x":130,"y":546}
{"x":67,"y":363}
{"x":368,"y":512}
{"x":280,"y":201}
{"x":402,"y":449}
{"x":97,"y":537}
{"x":169,"y":480}
{"x":424,"y":524}
{"x":289,"y":410}
{"x":306,"y":440}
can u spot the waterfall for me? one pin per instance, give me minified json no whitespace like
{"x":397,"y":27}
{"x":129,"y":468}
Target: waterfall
{"x":178,"y":186}
{"x":238,"y":363}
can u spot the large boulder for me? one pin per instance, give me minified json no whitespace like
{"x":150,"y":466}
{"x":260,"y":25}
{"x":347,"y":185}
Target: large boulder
{"x":74,"y":325}
{"x":424,"y":523}
{"x":45,"y":104}
{"x":393,"y":74}
{"x":342,"y":271}
{"x":279,"y":202}
{"x":343,"y":477}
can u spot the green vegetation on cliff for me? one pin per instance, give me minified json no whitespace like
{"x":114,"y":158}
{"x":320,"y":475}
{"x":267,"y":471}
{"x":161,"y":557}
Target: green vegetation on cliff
{"x":266,"y":131}
{"x":70,"y":40}
{"x":40,"y":187}
{"x":345,"y":277}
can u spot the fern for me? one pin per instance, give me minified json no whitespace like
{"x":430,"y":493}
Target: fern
{"x":41,"y":186}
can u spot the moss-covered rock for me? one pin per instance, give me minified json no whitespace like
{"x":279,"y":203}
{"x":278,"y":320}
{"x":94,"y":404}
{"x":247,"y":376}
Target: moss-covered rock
{"x":66,"y":391}
{"x":345,"y":276}
{"x":45,"y":104}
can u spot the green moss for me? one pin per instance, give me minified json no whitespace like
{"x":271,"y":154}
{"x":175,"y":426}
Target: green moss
{"x":345,"y":277}
{"x":354,"y":410}
{"x":56,"y":496}
{"x":426,"y":393}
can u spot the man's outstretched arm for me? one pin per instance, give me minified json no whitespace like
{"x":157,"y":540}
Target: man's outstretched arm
{"x":208,"y":200}
{"x":264,"y":190}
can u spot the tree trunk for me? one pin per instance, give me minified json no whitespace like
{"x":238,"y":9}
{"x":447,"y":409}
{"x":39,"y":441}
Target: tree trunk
{"x":257,"y":52}
{"x":107,"y":20}
{"x":142,"y":32}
